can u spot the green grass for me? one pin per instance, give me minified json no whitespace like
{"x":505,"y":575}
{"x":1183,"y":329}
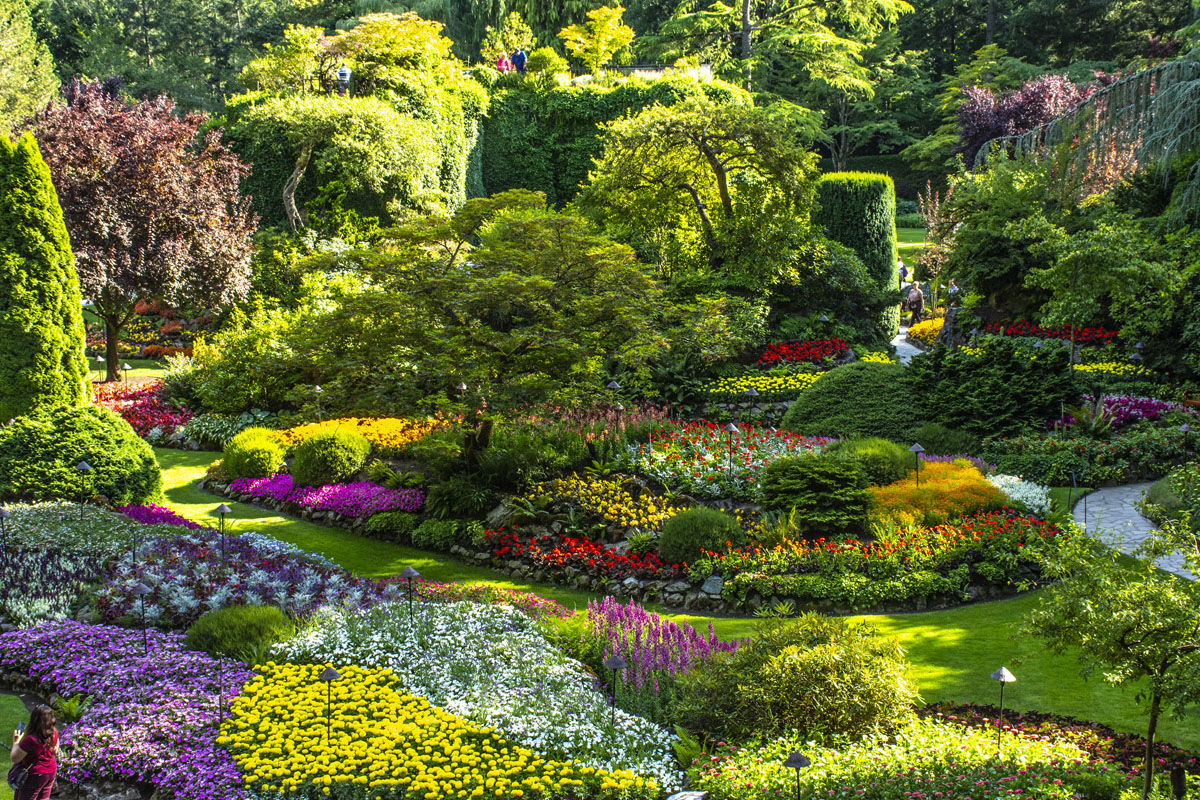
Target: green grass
{"x":12,"y":711}
{"x":1064,"y":498}
{"x":911,"y":240}
{"x":952,"y":652}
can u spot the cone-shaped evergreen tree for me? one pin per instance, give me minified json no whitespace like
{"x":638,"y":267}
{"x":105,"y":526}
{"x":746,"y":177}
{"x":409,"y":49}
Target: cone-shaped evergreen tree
{"x":41,"y":322}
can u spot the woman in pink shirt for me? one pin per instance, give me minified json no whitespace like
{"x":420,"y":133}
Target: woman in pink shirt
{"x":36,"y":752}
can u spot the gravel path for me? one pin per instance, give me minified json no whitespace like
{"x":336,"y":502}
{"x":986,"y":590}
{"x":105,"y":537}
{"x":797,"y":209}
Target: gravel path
{"x":1112,"y":517}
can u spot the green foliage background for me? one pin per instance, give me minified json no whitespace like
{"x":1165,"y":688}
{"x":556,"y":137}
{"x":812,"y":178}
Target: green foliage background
{"x":41,"y":323}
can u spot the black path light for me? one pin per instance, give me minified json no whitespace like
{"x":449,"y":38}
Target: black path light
{"x":4,"y":515}
{"x":1186,"y":430}
{"x":974,"y":335}
{"x":126,"y":368}
{"x":730,"y":429}
{"x":140,"y":591}
{"x":462,"y":390}
{"x":85,"y":471}
{"x":797,"y":761}
{"x":221,"y":511}
{"x":751,"y":397}
{"x":409,"y":574}
{"x":616,"y":664}
{"x":343,"y":79}
{"x":916,"y":450}
{"x":329,"y":675}
{"x":1037,"y":345}
{"x":100,"y":367}
{"x":318,"y":391}
{"x":1003,"y":676}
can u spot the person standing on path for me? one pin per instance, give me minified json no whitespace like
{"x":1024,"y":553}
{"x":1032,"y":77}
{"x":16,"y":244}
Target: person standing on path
{"x":37,"y":754}
{"x":518,"y":61}
{"x":915,"y":303}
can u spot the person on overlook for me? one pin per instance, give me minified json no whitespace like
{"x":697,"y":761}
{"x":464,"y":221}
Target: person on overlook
{"x":915,"y":303}
{"x":903,"y":270}
{"x":518,"y":61}
{"x":952,"y":294}
{"x":35,"y":756}
{"x":503,"y":65}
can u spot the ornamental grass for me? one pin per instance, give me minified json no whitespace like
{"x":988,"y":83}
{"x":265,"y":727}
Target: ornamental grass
{"x":385,"y":743}
{"x":946,"y":492}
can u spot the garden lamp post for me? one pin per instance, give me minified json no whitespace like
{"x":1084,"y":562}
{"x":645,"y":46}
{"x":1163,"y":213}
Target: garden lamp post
{"x":752,"y":398}
{"x":85,"y":471}
{"x":797,"y":761}
{"x":329,"y":675}
{"x":1037,"y":345}
{"x":1186,"y":430}
{"x":1003,"y":676}
{"x":409,"y":574}
{"x":100,"y":368}
{"x":126,"y":368}
{"x":462,"y":390}
{"x":616,"y":664}
{"x":4,"y":515}
{"x":1136,"y":357}
{"x":730,"y":429}
{"x":343,"y":79}
{"x":916,"y":450}
{"x":613,"y":387}
{"x":974,"y":335}
{"x":140,"y":591}
{"x":221,"y":511}
{"x":317,"y":390}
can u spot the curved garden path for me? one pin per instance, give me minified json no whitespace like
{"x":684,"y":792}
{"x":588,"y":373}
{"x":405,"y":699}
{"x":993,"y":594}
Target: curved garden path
{"x":1112,"y":516}
{"x":904,"y":350}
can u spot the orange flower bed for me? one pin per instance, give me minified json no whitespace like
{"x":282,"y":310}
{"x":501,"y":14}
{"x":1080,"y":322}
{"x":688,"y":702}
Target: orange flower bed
{"x":947,"y":492}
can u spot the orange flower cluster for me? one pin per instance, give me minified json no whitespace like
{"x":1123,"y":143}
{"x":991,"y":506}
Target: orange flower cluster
{"x":946,"y":492}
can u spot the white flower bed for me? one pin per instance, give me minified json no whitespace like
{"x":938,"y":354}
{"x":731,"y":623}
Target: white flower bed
{"x":1033,"y":496}
{"x":491,"y":664}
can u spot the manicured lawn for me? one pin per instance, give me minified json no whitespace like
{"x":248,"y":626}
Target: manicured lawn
{"x":911,"y":240}
{"x":144,"y":369}
{"x":12,"y":711}
{"x":1064,"y":498}
{"x":952,"y":652}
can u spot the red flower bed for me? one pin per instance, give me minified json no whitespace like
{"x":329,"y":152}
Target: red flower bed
{"x":1100,"y":741}
{"x":806,"y":351}
{"x":560,"y":553}
{"x":141,"y":405}
{"x":1024,"y":328}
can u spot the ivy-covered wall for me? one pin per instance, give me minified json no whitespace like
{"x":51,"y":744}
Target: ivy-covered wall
{"x":545,"y":139}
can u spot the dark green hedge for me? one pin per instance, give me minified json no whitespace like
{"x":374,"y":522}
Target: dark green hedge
{"x":41,"y":325}
{"x":544,"y":139}
{"x":858,"y":209}
{"x":39,"y":454}
{"x":860,"y":399}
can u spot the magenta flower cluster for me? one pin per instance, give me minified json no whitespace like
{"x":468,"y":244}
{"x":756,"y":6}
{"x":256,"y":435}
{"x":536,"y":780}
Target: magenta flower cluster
{"x":152,"y":719}
{"x":359,"y":499}
{"x":157,"y":515}
{"x":1125,"y":409}
{"x":654,"y":647}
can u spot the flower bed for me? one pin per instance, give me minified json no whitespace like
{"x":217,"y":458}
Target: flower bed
{"x":152,"y":719}
{"x":942,"y":493}
{"x":1114,"y":368}
{"x":1034,"y":497}
{"x":808,"y":351}
{"x":605,"y":500}
{"x":1092,"y":335}
{"x":278,"y":736}
{"x":564,"y":556}
{"x":947,"y":563}
{"x":1126,"y":410}
{"x":143,"y":406}
{"x":926,"y":332}
{"x":701,"y":459}
{"x":927,"y":759}
{"x":357,"y":500}
{"x":386,"y":433}
{"x":770,"y":388}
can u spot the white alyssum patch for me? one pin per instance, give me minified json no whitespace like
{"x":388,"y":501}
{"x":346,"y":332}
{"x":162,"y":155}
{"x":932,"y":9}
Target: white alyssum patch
{"x":1033,"y":496}
{"x":491,"y":664}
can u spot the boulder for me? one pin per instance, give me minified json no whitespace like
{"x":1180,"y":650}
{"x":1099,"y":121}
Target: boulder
{"x":713,"y":585}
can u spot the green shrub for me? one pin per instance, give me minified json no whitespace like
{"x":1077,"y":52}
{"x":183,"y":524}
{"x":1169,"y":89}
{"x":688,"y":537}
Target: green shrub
{"x":910,"y":220}
{"x":392,"y":526}
{"x":437,"y":534}
{"x":938,"y":440}
{"x":860,"y":399}
{"x":213,"y":430}
{"x":881,"y":460}
{"x":41,"y":326}
{"x":39,"y":454}
{"x":330,"y":456}
{"x":824,"y":678}
{"x":253,"y":453}
{"x":460,"y":496}
{"x":828,"y":495}
{"x":700,"y":528}
{"x":999,"y":391}
{"x":241,"y":632}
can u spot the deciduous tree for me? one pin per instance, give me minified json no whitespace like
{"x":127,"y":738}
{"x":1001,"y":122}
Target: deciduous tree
{"x":597,"y":41}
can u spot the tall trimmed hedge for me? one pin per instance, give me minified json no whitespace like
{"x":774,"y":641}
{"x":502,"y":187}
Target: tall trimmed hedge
{"x":858,"y":209}
{"x":41,"y":322}
{"x":545,"y":139}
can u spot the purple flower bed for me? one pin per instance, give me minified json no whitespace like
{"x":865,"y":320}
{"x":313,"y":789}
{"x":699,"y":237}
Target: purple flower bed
{"x":978,"y":463}
{"x":654,"y":647}
{"x":187,"y":577}
{"x":360,"y":499}
{"x":152,"y":719}
{"x":157,"y":515}
{"x":1126,"y":410}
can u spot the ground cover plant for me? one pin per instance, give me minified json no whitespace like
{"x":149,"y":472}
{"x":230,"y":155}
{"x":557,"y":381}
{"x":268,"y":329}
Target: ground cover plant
{"x":357,"y":499}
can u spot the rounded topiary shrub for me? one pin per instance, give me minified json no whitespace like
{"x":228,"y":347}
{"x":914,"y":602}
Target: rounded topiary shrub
{"x":701,"y":528}
{"x":827,"y":495}
{"x":860,"y":399}
{"x":253,"y":453}
{"x":241,"y":632}
{"x":332,"y":456}
{"x":882,"y":461}
{"x":822,"y":678}
{"x":39,"y":455}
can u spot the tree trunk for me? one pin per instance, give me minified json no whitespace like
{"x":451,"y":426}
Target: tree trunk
{"x":1148,"y":776}
{"x":295,"y":218}
{"x":990,"y":36}
{"x":746,"y":30}
{"x":112,"y":359}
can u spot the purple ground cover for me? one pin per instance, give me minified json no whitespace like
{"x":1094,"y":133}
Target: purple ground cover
{"x":359,"y":499}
